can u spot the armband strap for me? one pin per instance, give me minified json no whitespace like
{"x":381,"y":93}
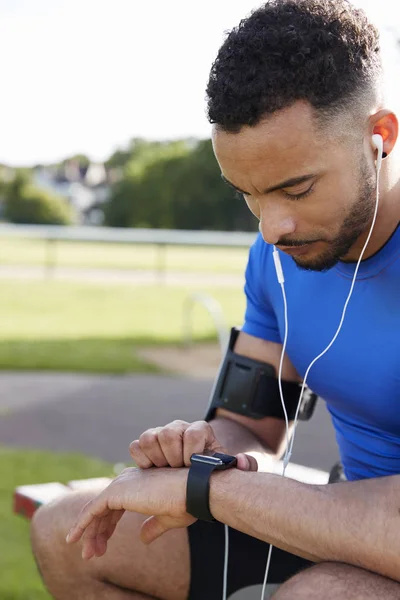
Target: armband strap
{"x":250,"y":387}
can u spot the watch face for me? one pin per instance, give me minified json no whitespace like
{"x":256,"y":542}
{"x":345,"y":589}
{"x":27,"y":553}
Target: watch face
{"x":217,"y":459}
{"x":227,"y":459}
{"x":208,"y":460}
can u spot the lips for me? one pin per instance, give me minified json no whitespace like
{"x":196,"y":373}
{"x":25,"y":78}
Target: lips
{"x":296,"y":250}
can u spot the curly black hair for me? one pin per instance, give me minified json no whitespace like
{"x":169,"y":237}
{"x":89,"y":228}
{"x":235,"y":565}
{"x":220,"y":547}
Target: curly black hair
{"x":325,"y":52}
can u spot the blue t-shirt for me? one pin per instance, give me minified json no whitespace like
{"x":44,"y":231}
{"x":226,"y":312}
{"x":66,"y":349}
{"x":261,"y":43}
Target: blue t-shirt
{"x":359,"y":377}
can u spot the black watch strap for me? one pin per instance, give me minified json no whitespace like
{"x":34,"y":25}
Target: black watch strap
{"x":198,"y":482}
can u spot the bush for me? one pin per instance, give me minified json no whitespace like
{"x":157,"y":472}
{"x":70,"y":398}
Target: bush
{"x":29,"y":204}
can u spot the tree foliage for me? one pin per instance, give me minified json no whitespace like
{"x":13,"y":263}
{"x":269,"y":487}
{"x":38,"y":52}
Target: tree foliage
{"x":25,"y":203}
{"x":175,"y":185}
{"x":82,"y":159}
{"x":159,"y":184}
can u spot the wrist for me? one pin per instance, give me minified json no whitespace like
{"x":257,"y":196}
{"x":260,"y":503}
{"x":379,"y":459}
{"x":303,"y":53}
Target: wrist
{"x":223,"y":492}
{"x":198,"y":481}
{"x":178,"y":484}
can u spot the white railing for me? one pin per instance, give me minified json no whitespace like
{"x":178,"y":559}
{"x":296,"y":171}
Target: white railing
{"x":170,"y":237}
{"x":161,"y":238}
{"x":215,"y":311}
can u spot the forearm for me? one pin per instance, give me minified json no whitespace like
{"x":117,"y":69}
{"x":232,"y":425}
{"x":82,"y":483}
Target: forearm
{"x":356,"y":523}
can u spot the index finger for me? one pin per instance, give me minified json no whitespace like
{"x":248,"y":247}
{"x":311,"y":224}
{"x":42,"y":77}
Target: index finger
{"x":198,"y":438}
{"x":98,"y":507}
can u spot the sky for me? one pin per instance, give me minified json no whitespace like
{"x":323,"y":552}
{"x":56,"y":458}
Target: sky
{"x":88,"y":75}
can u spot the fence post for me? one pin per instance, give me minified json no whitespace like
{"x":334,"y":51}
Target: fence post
{"x":161,"y":265}
{"x":51,"y":257}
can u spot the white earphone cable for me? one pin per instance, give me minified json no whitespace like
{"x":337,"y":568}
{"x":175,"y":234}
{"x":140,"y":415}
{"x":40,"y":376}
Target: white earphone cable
{"x":289,"y":443}
{"x":288,"y":454}
{"x":289,"y":447}
{"x":225,"y":580}
{"x":282,"y":284}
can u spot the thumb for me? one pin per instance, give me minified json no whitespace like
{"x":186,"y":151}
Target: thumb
{"x":245,"y":462}
{"x":152,"y":528}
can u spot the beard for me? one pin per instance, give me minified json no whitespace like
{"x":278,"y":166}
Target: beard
{"x":355,"y":224}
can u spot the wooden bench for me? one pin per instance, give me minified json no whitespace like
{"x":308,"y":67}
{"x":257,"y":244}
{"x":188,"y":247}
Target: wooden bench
{"x":28,"y":498}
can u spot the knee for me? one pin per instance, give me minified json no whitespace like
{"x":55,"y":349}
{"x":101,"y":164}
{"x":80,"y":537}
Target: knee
{"x":49,"y":527}
{"x":312,"y":583}
{"x":50,"y":521}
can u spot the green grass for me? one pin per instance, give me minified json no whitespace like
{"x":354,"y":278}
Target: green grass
{"x":19,"y":578}
{"x":123,"y":256}
{"x":67,"y":326}
{"x":62,"y":326}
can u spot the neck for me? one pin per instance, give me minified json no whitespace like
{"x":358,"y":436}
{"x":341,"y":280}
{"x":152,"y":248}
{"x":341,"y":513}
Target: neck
{"x":387,"y":219}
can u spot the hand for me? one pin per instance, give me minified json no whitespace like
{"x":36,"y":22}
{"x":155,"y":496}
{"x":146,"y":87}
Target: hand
{"x":173,"y":445}
{"x":157,"y":492}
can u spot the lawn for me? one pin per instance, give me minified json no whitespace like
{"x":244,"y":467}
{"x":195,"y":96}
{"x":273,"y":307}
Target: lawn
{"x":79,"y":326}
{"x":71,"y":326}
{"x":123,"y":256}
{"x":19,"y":577}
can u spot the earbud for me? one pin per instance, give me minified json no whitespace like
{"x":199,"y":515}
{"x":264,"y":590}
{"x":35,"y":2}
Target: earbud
{"x":377,"y":142}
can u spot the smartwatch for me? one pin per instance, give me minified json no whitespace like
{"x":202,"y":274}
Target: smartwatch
{"x":198,"y":482}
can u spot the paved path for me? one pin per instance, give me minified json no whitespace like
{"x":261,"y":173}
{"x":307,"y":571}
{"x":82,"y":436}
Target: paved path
{"x":101,"y":415}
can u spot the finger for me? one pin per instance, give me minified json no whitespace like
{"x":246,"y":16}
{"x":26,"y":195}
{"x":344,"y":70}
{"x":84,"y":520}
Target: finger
{"x":116,"y":516}
{"x":198,"y":438}
{"x":101,"y":544}
{"x":171,"y":442}
{"x":89,"y":539}
{"x":139,"y":456}
{"x":98,"y":507}
{"x":106,"y":529}
{"x":150,"y":446}
{"x":245,"y":462}
{"x":103,"y":534}
{"x":151,"y":529}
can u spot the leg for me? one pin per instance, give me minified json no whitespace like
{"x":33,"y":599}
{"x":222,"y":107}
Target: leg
{"x":333,"y":581}
{"x":128,"y":570}
{"x":246,"y":565}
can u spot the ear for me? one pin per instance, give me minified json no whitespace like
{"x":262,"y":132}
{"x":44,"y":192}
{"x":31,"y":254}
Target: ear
{"x":385,"y":123}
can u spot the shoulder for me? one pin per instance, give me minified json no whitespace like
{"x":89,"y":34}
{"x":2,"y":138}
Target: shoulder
{"x":260,"y":252}
{"x":259,"y":271}
{"x":260,"y":263}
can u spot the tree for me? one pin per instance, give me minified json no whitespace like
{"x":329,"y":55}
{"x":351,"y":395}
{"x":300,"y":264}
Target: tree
{"x":203,"y":200}
{"x":141,"y":199}
{"x":177,"y":186}
{"x":81,"y":159}
{"x":25,"y":203}
{"x":136,"y":149}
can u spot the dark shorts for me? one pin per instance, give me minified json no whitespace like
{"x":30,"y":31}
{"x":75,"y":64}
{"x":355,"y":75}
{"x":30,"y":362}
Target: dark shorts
{"x":246,"y":566}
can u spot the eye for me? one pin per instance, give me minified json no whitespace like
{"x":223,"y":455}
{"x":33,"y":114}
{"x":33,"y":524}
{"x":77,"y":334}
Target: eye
{"x":299,"y":196}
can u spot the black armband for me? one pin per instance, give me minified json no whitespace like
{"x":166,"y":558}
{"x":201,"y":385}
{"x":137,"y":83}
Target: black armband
{"x":250,"y":387}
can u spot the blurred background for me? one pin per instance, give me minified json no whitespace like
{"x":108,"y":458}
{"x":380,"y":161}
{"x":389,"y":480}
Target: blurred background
{"x":122,"y":252}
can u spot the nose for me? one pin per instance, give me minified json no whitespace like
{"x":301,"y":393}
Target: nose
{"x":274,"y":227}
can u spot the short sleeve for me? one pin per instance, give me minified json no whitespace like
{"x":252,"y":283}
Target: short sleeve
{"x":259,"y":320}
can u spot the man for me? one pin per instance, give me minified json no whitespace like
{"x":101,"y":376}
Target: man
{"x":294,"y":96}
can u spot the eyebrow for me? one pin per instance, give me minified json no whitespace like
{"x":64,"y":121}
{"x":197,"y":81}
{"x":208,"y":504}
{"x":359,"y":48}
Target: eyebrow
{"x":284,"y":184}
